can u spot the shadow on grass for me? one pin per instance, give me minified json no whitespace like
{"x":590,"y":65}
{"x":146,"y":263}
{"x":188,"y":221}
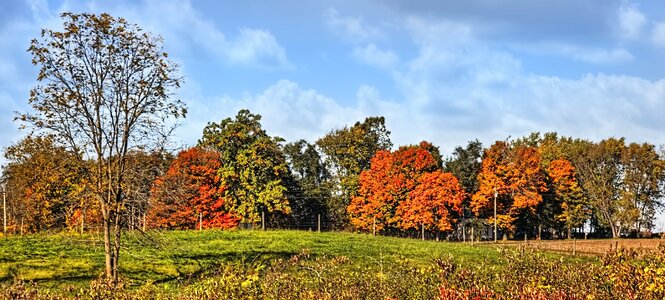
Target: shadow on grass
{"x":207,"y":264}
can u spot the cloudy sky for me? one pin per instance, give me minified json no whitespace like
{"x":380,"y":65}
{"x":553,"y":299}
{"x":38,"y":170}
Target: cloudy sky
{"x":443,"y":71}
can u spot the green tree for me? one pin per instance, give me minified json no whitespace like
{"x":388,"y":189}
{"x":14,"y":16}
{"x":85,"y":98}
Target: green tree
{"x":106,"y":88}
{"x":309,"y":187}
{"x":349,"y":151}
{"x":465,"y":164}
{"x":600,"y":171}
{"x":252,"y":166}
{"x":642,"y":181}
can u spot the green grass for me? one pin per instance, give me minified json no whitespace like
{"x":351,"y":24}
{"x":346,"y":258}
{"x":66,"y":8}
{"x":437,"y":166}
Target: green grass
{"x":167,"y":259}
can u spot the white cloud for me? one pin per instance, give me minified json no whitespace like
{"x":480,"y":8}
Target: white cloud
{"x":287,"y":110}
{"x":594,"y":55}
{"x":189,"y":33}
{"x":658,"y":34}
{"x":350,"y":28}
{"x":258,"y":47}
{"x":374,"y":56}
{"x":631,"y":21}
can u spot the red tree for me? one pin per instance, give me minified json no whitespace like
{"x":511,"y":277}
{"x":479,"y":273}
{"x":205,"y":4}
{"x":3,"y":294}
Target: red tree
{"x":434,"y":203}
{"x":191,"y":187}
{"x":388,"y":182}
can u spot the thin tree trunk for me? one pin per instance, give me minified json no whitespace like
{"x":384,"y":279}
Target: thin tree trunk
{"x":107,"y":247}
{"x":116,"y":249}
{"x":569,"y":233}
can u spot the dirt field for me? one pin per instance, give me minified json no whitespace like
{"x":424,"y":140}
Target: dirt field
{"x":596,"y":246}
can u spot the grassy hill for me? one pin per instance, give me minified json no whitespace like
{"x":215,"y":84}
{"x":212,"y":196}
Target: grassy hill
{"x":309,"y":265}
{"x":162,"y":257}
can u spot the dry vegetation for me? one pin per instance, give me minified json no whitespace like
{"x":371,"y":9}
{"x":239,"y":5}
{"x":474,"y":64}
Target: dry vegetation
{"x":590,"y":247}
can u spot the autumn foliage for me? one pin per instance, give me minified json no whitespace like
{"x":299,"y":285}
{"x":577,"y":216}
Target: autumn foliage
{"x":190,"y":187}
{"x":404,"y":189}
{"x":434,"y":203}
{"x":514,"y":177}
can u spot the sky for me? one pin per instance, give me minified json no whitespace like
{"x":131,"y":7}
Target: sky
{"x":442,"y":71}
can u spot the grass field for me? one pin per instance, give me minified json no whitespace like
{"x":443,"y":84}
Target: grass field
{"x":60,"y":260}
{"x":332,"y":265}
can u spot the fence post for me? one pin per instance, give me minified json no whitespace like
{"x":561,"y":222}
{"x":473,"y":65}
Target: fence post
{"x":200,"y":221}
{"x":263,"y":220}
{"x":422,"y":231}
{"x":374,"y":226}
{"x":318,"y":225}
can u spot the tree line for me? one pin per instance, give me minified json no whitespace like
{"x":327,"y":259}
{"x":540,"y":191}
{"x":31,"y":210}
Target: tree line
{"x":544,"y":185}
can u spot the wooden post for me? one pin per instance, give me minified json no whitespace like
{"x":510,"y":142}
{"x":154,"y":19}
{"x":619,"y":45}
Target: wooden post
{"x":463,"y":231}
{"x":422,"y":231}
{"x":374,"y":226}
{"x":318,"y":225}
{"x":200,"y":221}
{"x":144,"y":222}
{"x":473,"y":237}
{"x":263,"y":220}
{"x":525,"y":240}
{"x":574,"y":247}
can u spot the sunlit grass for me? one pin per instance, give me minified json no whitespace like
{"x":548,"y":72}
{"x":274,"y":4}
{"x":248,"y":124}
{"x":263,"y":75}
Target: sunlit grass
{"x":172,"y":257}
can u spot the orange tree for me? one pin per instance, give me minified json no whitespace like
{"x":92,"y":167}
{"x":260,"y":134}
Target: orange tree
{"x":512,"y":175}
{"x":190,"y":187}
{"x":573,"y":211}
{"x":387,"y":183}
{"x":434,"y":204}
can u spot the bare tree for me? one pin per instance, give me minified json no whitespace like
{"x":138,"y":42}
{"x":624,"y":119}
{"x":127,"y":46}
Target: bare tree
{"x":105,"y":88}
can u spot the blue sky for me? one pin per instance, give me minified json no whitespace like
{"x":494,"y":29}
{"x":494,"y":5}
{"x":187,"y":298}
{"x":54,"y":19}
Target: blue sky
{"x":443,"y":71}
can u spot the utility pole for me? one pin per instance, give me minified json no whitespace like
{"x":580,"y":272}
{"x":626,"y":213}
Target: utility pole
{"x":495,"y":231}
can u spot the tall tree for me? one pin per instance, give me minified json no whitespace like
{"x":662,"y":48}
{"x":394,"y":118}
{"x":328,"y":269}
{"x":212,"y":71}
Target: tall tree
{"x":512,"y":176}
{"x":643,"y":179}
{"x":106,"y":89}
{"x":388,"y":182}
{"x":600,"y":172}
{"x":465,"y":164}
{"x":567,"y":194}
{"x":310,"y":188}
{"x":349,"y":151}
{"x":252,"y":166}
{"x":191,"y":189}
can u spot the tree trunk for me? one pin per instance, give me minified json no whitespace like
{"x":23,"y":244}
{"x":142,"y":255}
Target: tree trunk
{"x":569,"y":233}
{"x":107,"y":247}
{"x":615,"y":231}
